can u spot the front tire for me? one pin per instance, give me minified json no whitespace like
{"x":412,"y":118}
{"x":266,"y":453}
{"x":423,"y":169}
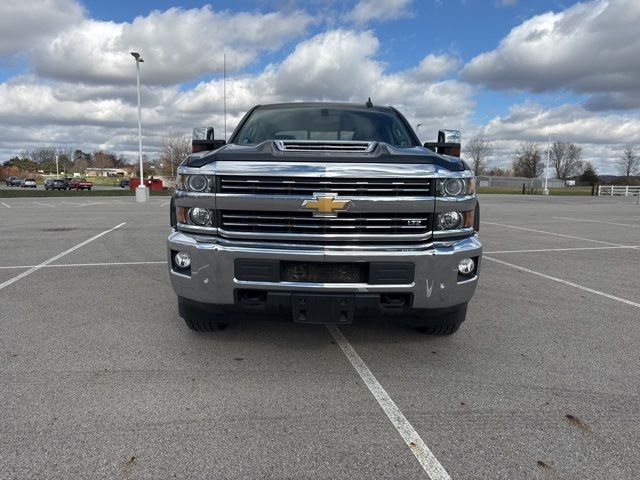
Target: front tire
{"x":446,"y":324}
{"x":440,"y":330}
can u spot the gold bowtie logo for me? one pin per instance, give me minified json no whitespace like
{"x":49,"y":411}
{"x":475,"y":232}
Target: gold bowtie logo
{"x":325,"y":205}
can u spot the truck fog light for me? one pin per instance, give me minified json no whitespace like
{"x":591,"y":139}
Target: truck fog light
{"x":466,"y":266}
{"x":450,"y":220}
{"x":200,"y":216}
{"x":182,"y":260}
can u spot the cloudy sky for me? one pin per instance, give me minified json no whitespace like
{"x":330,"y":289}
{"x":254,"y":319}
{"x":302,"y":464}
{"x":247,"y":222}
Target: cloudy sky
{"x":509,"y":70}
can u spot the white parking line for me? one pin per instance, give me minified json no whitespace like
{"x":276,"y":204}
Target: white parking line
{"x":165,"y":204}
{"x":598,"y":221}
{"x":552,"y":233}
{"x":99,"y":264}
{"x":565,"y":282}
{"x":5,"y":204}
{"x":570,"y":249}
{"x":53,"y":259}
{"x":90,"y":203}
{"x":44,"y":204}
{"x":428,"y":461}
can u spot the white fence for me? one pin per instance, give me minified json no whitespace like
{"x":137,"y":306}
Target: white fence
{"x":624,"y":190}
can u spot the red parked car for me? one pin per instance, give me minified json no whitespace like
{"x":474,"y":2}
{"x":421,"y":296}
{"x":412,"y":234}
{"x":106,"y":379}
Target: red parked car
{"x":152,"y":183}
{"x":79,"y":184}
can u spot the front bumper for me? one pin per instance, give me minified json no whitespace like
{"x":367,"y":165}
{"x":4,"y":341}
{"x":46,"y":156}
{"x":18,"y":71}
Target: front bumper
{"x":211,"y":280}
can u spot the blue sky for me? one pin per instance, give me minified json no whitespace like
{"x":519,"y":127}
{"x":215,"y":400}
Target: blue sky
{"x":461,"y":28}
{"x":507,"y":70}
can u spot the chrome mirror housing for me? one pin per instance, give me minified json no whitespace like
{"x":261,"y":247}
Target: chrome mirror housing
{"x":449,"y":143}
{"x":202,"y":133}
{"x":202,"y":140}
{"x":449,"y":136}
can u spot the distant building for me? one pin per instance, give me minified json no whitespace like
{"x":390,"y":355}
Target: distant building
{"x":106,"y":172}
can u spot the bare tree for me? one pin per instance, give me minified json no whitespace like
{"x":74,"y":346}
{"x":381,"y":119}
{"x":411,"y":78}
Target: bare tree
{"x":499,"y":172}
{"x":104,"y":159}
{"x":629,"y":163}
{"x":528,"y":162}
{"x":81,"y":161}
{"x":566,"y":159}
{"x":175,"y":147}
{"x":478,"y":151}
{"x":42,"y":154}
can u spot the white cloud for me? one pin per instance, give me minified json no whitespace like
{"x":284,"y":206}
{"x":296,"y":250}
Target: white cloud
{"x":335,"y":64}
{"x":176,"y":44}
{"x":433,"y":67}
{"x":366,"y":10}
{"x":338,"y":65}
{"x":599,"y":135}
{"x":25,"y":23}
{"x":530,"y":121}
{"x":590,"y":47}
{"x":88,"y":98}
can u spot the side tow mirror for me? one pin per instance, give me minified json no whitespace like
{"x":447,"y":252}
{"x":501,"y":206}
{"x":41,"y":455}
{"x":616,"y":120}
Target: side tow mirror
{"x":449,"y":143}
{"x":203,"y":141}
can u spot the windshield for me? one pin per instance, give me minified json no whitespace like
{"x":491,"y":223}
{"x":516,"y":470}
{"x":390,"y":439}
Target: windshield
{"x":324,"y":123}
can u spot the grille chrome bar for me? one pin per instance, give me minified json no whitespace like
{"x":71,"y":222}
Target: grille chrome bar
{"x":346,"y":226}
{"x":324,"y":146}
{"x":287,"y":245}
{"x":308,"y":186}
{"x":337,"y":219}
{"x":354,"y":238}
{"x":318,"y":227}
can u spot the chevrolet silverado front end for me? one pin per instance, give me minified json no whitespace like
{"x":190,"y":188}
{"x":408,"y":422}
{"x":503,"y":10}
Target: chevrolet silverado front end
{"x":324,"y":213}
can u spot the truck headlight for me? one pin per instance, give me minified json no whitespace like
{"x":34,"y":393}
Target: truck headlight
{"x":455,"y":187}
{"x":454,"y":220}
{"x":196,"y":183}
{"x":450,"y":220}
{"x":200,"y":216}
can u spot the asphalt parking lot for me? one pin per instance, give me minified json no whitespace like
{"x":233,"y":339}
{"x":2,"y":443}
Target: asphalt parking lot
{"x":100,"y":378}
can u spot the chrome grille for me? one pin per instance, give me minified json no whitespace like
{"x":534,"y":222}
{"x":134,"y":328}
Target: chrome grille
{"x":324,"y":146}
{"x":391,"y":187}
{"x":347,"y":223}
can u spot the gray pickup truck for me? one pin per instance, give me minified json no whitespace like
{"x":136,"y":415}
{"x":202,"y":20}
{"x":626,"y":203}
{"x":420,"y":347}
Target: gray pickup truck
{"x":324,"y":213}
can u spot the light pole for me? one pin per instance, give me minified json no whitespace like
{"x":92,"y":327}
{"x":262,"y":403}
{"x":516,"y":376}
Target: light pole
{"x":224,"y":76}
{"x":546,"y":168}
{"x":142,"y":192}
{"x":57,"y":174}
{"x":418,"y":129}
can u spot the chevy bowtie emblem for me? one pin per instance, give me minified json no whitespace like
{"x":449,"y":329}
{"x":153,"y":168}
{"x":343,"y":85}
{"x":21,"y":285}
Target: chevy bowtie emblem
{"x":325,"y":205}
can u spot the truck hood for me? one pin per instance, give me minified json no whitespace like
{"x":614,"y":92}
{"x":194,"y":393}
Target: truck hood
{"x":268,"y":152}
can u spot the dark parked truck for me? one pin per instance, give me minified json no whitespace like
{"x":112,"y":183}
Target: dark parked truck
{"x":324,"y":213}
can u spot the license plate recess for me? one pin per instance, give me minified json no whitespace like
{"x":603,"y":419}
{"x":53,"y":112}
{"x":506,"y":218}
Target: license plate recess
{"x":323,"y":309}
